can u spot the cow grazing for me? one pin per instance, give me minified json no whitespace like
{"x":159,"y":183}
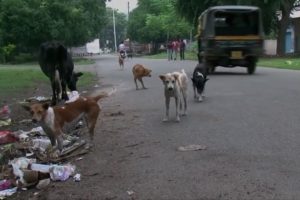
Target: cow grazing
{"x":57,"y":65}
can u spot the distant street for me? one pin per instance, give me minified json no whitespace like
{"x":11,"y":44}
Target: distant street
{"x":250,"y":125}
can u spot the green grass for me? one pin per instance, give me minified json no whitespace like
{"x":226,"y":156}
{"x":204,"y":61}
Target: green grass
{"x":14,"y":79}
{"x":83,"y":61}
{"x":282,"y":63}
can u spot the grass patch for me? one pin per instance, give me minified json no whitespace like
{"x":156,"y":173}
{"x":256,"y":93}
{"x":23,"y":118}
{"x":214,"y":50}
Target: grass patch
{"x":282,"y":63}
{"x":15,"y":79}
{"x":83,"y":61}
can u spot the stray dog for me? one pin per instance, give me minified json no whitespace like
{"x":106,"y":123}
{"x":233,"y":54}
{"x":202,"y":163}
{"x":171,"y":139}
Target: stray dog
{"x":122,"y":57}
{"x":176,"y":84}
{"x":199,"y":79}
{"x":139,"y":71}
{"x":52,"y":119}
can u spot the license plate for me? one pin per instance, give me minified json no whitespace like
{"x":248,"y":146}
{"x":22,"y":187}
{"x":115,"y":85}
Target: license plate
{"x":236,"y":55}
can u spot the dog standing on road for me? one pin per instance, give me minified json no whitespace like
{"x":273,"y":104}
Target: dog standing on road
{"x":122,"y":57}
{"x":176,"y":85}
{"x":53,"y":119}
{"x":199,"y":79}
{"x":139,"y":71}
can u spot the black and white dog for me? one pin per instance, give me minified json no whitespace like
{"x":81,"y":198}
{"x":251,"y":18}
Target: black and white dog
{"x":199,"y":79}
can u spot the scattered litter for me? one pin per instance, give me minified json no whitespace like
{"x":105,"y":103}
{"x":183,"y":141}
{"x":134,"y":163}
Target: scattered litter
{"x":5,"y":122}
{"x":27,"y":158}
{"x":25,"y":121}
{"x":61,"y":173}
{"x":5,"y":184}
{"x":191,"y":147}
{"x":40,"y":167}
{"x":96,"y":86}
{"x":40,"y":144}
{"x":73,"y":96}
{"x":8,"y":192}
{"x":43,"y":184}
{"x":80,"y":158}
{"x":77,"y":177}
{"x":25,"y":135}
{"x":7,"y":137}
{"x":38,"y":98}
{"x":130,"y":192}
{"x":119,"y":113}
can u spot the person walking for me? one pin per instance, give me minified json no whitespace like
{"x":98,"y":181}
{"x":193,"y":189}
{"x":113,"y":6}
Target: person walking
{"x":181,"y":49}
{"x":169,"y":50}
{"x":175,"y":47}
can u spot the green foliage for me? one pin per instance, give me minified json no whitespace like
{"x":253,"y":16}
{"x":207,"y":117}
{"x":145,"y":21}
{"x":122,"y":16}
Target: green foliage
{"x":107,"y":33}
{"x":156,"y":21}
{"x":28,"y":23}
{"x":7,"y":52}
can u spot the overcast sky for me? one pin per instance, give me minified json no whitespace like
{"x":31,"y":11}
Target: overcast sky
{"x":122,"y":5}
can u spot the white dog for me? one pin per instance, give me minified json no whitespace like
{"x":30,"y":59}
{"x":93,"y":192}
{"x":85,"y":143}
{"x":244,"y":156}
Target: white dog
{"x":176,"y":85}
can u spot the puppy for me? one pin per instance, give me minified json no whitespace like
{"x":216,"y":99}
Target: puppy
{"x":122,"y":57}
{"x":199,"y":79}
{"x":52,"y":119}
{"x":139,"y":71}
{"x":176,"y":85}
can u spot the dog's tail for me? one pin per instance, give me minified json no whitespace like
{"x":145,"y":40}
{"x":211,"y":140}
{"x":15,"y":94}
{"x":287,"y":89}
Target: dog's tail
{"x":104,"y":94}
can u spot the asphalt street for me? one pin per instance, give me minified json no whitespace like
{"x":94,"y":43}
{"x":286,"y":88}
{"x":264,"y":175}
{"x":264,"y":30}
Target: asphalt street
{"x":249,"y":124}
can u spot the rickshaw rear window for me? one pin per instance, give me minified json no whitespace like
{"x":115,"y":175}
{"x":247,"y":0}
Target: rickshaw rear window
{"x":236,"y":23}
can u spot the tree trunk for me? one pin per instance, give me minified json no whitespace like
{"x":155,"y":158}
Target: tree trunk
{"x":286,"y":8}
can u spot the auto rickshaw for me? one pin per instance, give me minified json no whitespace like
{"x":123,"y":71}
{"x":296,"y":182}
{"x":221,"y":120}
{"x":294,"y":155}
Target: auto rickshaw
{"x":230,"y":36}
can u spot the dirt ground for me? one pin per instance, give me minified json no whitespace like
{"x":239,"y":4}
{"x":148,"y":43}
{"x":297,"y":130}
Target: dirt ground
{"x":56,"y":190}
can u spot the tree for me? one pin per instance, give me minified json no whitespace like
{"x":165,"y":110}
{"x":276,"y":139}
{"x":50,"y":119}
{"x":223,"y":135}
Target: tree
{"x":107,"y":33}
{"x":28,"y":23}
{"x":156,"y":21}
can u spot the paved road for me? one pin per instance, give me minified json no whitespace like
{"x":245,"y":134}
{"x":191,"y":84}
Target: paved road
{"x":249,"y":123}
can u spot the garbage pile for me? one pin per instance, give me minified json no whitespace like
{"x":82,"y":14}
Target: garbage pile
{"x":27,"y":158}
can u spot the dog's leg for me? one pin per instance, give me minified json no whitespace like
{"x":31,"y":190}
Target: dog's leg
{"x":136,"y":83}
{"x":141,"y":80}
{"x":60,"y":142}
{"x":195,"y":92}
{"x":177,"y":112}
{"x":167,"y":101}
{"x":184,"y":94}
{"x":91,"y":123}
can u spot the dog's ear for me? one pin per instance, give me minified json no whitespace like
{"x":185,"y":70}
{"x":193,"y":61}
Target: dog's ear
{"x":26,"y":107}
{"x":176,"y":76}
{"x":78,"y":74}
{"x":162,"y":77}
{"x":46,"y":106}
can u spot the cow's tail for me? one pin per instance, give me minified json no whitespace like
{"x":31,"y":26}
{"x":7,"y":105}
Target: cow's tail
{"x":57,"y":81}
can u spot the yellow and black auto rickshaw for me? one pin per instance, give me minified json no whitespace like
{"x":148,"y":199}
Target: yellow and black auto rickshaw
{"x":230,"y":36}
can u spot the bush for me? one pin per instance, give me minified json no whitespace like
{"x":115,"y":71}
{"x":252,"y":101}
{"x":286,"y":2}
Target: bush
{"x":23,"y":58}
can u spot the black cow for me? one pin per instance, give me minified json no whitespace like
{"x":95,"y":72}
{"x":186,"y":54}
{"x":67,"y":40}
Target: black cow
{"x":57,"y":64}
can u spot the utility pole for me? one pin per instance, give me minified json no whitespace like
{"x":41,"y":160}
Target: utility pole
{"x":128,"y":11}
{"x":115,"y":37}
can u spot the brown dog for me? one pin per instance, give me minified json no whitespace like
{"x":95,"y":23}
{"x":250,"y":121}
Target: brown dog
{"x":139,"y":71}
{"x":52,"y":119}
{"x":122,"y":57}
